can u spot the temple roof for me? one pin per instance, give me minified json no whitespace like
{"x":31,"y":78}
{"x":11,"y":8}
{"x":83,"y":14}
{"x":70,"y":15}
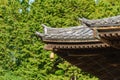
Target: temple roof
{"x":111,"y":21}
{"x":103,"y":36}
{"x":94,"y":46}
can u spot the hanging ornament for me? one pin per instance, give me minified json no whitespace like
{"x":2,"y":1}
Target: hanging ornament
{"x":52,"y":55}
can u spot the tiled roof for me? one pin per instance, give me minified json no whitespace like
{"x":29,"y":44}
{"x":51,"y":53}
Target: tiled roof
{"x":111,"y":21}
{"x":71,"y":33}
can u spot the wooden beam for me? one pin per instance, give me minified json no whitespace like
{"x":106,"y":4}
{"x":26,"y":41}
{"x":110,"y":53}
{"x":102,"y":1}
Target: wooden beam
{"x":83,"y":54}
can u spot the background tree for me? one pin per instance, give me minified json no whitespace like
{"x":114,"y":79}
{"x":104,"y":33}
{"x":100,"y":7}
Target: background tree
{"x":22,"y":56}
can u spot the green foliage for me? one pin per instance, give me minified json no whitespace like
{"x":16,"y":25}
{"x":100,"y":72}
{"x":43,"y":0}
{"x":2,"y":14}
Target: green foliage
{"x":22,"y":56}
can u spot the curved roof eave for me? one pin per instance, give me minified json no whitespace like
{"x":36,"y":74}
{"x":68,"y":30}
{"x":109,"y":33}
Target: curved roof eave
{"x":104,"y":22}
